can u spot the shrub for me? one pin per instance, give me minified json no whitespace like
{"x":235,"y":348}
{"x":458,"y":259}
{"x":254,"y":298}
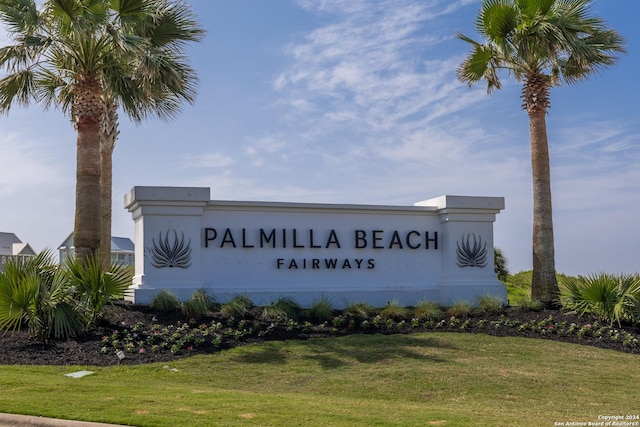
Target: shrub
{"x":194,"y":309}
{"x":500,"y":264}
{"x":201,"y":296}
{"x":359,"y":311}
{"x":527,"y":304}
{"x":488,"y":304}
{"x":608,"y":297}
{"x":290,"y":307}
{"x":165,"y":302}
{"x":321,"y":310}
{"x":460,"y":309}
{"x":282,"y":309}
{"x":96,"y":287}
{"x":239,"y":307}
{"x":272,"y":313}
{"x":58,"y":301}
{"x":394,"y":311}
{"x":37,"y":293}
{"x":427,"y":310}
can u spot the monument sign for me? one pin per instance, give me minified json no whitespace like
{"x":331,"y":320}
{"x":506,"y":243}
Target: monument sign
{"x":439,"y":249}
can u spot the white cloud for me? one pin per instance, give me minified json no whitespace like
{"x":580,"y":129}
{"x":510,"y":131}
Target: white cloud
{"x":25,"y":165}
{"x":361,"y":74}
{"x":208,"y":160}
{"x":607,"y":136}
{"x":268,"y":152}
{"x":229,"y":187}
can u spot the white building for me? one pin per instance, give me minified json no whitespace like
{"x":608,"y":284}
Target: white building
{"x":11,"y":247}
{"x":122,"y":250}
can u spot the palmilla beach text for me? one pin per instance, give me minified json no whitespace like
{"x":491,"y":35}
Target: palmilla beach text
{"x":311,"y":239}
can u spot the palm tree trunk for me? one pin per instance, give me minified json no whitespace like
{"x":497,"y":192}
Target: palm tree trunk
{"x":86,"y":232}
{"x":87,"y":113}
{"x":544,"y":285}
{"x":106,"y":166}
{"x":108,"y":137}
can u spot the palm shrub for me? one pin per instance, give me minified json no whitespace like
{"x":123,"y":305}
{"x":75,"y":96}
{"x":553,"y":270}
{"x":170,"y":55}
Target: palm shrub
{"x":630,"y":285}
{"x":609,"y":297}
{"x":95,"y":286}
{"x":36,"y":293}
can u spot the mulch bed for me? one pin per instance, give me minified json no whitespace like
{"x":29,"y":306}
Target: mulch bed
{"x":89,"y":348}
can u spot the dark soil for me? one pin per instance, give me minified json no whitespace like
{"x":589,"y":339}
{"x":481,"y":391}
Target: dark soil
{"x":89,"y":349}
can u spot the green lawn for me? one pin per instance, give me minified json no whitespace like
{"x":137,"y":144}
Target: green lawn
{"x":445,"y":379}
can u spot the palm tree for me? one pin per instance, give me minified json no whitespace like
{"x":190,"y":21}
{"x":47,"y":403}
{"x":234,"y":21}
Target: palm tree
{"x":81,"y":54}
{"x":542,"y":43}
{"x":161,"y":81}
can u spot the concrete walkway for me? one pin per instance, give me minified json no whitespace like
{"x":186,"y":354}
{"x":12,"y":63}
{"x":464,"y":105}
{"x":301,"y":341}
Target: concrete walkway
{"x":12,"y":420}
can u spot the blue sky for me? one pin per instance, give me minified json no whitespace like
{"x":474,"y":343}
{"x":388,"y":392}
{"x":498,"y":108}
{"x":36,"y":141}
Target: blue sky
{"x":356,"y":101}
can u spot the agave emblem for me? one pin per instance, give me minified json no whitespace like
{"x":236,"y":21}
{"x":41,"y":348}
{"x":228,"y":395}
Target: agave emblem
{"x":171,"y":252}
{"x":472,"y":255}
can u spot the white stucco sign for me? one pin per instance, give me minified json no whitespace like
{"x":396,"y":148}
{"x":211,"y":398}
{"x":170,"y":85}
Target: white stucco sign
{"x":439,"y":249}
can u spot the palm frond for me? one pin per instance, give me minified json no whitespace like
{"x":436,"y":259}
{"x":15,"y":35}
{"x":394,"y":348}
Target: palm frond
{"x":17,"y":292}
{"x":24,"y":52}
{"x":130,"y":8}
{"x":19,"y":87}
{"x":19,"y":16}
{"x":65,"y":316}
{"x":497,"y":21}
{"x":556,"y":38}
{"x":173,"y":25}
{"x":480,"y":64}
{"x":66,"y":321}
{"x":53,"y":90}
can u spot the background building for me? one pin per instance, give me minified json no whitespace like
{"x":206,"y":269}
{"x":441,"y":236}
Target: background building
{"x":122,"y":250}
{"x":12,"y":247}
